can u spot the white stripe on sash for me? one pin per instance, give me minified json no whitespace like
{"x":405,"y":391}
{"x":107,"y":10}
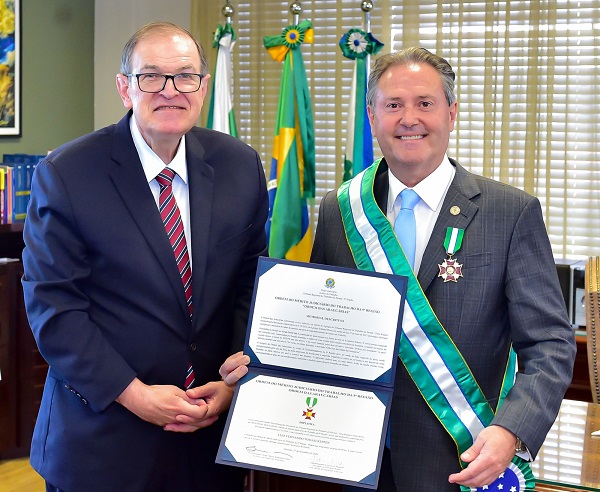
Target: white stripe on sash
{"x":440,"y":372}
{"x":365,"y":229}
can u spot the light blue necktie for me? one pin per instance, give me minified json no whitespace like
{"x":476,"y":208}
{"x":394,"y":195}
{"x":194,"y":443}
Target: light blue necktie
{"x":405,"y":226}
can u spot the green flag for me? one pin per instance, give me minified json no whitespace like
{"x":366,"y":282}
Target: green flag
{"x":220,"y":114}
{"x":357,"y":45}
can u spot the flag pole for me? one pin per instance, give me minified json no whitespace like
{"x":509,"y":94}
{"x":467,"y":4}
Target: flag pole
{"x":228,"y":11}
{"x":358,"y":44}
{"x":295,"y":9}
{"x":366,"y":6}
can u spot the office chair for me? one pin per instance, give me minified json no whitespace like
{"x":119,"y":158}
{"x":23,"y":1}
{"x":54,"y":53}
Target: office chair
{"x":592,"y":314}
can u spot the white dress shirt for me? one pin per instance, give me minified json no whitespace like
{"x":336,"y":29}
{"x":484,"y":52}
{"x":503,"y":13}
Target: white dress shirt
{"x":432,"y":191}
{"x":153,"y":165}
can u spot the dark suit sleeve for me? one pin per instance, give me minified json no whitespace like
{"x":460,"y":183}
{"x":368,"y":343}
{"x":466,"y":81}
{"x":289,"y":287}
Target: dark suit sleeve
{"x":541,"y":334}
{"x":56,"y":267}
{"x":330,"y":246}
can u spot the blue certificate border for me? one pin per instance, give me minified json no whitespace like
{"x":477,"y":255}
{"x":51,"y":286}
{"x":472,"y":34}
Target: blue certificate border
{"x":398,"y":282}
{"x":384,"y":394}
{"x":382,"y":387}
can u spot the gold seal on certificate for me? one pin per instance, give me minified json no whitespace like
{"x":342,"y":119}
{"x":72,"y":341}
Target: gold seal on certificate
{"x":316,"y":399}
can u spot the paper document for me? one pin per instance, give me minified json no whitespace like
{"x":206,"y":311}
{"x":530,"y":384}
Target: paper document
{"x":323,"y":345}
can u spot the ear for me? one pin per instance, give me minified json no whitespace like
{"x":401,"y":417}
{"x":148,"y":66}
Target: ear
{"x":371,"y":116}
{"x":123,"y":88}
{"x":204,"y":85}
{"x":453,"y":113}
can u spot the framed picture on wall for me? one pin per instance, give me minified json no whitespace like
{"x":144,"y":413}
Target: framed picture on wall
{"x":10,"y":68}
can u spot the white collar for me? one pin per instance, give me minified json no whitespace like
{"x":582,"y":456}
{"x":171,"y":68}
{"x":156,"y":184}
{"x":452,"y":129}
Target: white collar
{"x":153,"y":164}
{"x":431,"y":190}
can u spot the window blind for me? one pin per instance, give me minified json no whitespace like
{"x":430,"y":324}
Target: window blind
{"x":528,"y":87}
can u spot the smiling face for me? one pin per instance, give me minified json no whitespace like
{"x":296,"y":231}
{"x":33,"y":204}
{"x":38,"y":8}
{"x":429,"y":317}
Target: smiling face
{"x":412,"y":120}
{"x":164,"y":117}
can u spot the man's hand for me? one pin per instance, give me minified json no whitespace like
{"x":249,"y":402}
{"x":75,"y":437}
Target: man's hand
{"x":215,"y":396}
{"x":162,"y":405}
{"x":488,"y":457}
{"x":234,"y":368}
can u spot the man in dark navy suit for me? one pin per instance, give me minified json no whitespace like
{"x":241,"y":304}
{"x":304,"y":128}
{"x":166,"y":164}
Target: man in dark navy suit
{"x":104,"y":291}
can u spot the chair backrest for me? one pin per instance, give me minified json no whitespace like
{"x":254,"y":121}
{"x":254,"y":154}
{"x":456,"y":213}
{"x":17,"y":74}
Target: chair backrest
{"x":592,"y":314}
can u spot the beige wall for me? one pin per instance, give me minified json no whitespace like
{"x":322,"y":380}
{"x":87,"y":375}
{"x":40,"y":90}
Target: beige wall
{"x":115,"y":22}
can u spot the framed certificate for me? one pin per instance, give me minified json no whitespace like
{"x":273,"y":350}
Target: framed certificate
{"x":315,"y":403}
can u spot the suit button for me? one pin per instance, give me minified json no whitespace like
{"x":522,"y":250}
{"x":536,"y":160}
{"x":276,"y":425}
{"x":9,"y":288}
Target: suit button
{"x":193,"y":347}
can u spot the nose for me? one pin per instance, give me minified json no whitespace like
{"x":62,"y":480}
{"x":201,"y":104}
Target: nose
{"x":409,"y":117}
{"x":169,"y":88}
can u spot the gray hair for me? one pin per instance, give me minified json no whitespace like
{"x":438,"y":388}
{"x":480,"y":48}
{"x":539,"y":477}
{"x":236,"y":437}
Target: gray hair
{"x":410,"y":56}
{"x":150,"y":30}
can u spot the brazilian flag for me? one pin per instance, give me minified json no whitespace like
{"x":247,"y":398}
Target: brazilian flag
{"x":292,"y":178}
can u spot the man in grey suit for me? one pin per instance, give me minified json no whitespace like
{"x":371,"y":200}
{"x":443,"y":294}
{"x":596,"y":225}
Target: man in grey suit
{"x":483,"y":274}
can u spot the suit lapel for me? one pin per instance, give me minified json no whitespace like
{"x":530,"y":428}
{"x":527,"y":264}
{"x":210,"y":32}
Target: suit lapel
{"x":462,"y":189}
{"x":201,"y":186}
{"x":460,"y":193}
{"x":129,"y":179}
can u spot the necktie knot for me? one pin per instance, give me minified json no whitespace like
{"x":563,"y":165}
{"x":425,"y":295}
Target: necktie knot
{"x":165,"y":177}
{"x":409,"y":199}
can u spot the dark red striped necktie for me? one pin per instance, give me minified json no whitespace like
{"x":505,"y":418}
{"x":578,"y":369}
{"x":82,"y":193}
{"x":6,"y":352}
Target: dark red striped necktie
{"x":171,"y":217}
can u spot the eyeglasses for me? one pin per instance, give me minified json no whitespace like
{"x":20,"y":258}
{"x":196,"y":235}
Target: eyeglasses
{"x":156,"y":82}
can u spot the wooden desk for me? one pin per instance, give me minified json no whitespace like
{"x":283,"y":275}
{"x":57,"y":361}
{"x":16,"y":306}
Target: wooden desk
{"x":568,"y":461}
{"x":580,"y":388}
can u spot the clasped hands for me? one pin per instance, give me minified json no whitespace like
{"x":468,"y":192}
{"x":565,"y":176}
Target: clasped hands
{"x":177,"y":410}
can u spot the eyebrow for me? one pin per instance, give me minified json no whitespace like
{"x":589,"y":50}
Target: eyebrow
{"x":396,"y":98}
{"x":147,"y":66}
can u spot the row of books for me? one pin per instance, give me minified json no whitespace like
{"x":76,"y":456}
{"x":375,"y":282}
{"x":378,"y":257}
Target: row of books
{"x":16,"y":171}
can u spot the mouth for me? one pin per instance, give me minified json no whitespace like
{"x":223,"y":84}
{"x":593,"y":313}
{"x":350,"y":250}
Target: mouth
{"x":410,"y":137}
{"x":160,"y":108}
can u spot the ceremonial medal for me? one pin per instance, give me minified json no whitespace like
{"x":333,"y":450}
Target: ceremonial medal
{"x":451,"y":269}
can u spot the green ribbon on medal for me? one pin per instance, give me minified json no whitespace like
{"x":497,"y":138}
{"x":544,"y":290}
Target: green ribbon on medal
{"x":451,"y":269}
{"x":453,"y":240}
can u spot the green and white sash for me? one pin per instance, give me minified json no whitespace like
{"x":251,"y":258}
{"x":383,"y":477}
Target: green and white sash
{"x":429,"y":354}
